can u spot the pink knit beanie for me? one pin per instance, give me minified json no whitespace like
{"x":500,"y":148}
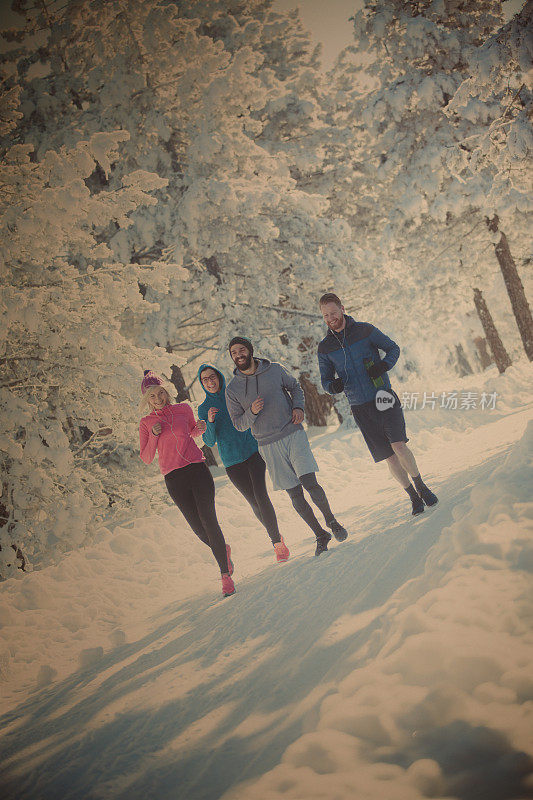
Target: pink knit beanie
{"x":150,"y":379}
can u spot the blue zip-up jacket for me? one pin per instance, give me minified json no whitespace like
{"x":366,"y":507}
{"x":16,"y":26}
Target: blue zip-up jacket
{"x":343,"y":353}
{"x":234,"y":446}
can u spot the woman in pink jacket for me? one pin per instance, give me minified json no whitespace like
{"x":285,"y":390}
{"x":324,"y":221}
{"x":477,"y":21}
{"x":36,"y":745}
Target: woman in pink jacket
{"x":170,"y":429}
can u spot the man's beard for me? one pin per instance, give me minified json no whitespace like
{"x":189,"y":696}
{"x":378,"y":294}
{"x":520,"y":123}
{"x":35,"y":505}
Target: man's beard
{"x":244,"y":365}
{"x":336,"y":324}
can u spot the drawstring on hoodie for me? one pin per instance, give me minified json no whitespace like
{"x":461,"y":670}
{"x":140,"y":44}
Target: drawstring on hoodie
{"x":256,"y":385}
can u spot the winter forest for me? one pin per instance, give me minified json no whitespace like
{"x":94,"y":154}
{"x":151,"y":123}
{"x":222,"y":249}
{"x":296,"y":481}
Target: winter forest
{"x":177,"y":172}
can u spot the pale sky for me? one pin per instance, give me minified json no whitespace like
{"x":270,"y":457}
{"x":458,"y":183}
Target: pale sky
{"x":328,"y":21}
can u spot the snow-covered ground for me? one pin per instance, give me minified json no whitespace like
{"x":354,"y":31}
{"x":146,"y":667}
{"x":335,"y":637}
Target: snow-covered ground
{"x":399,"y":665}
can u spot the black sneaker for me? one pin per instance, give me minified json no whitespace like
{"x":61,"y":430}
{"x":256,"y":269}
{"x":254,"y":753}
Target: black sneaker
{"x":427,"y":496}
{"x":418,"y":505}
{"x":322,"y":541}
{"x":338,"y":531}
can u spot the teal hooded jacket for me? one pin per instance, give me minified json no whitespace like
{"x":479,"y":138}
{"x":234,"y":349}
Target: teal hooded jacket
{"x":234,"y":446}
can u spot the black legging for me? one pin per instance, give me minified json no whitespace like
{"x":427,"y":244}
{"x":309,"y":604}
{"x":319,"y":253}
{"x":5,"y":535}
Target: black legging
{"x":249,"y":478}
{"x":192,"y":488}
{"x":318,"y":496}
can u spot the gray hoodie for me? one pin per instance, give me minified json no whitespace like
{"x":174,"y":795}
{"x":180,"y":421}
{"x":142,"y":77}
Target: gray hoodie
{"x":280,"y":392}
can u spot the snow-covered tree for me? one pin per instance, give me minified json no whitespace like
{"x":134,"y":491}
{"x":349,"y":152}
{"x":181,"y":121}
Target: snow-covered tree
{"x":493,"y":163}
{"x":69,"y":378}
{"x":392,"y":91}
{"x":219,"y":99}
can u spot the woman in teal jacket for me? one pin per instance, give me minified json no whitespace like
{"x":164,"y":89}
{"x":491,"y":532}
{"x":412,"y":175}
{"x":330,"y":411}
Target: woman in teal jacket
{"x":239,"y":453}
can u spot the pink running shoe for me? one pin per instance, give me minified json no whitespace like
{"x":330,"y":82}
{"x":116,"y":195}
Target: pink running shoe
{"x":228,"y":587}
{"x":231,"y":568}
{"x":282,"y":551}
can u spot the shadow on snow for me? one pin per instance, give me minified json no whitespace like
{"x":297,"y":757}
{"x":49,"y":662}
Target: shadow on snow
{"x":276,"y":618}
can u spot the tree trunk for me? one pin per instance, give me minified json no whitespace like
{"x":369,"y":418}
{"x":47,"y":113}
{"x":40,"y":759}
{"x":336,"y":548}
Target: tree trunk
{"x":212,"y":266}
{"x":515,"y":288}
{"x":317,"y":406}
{"x":178,"y":381}
{"x":462,"y":364}
{"x":485,"y":358}
{"x":495,"y":343}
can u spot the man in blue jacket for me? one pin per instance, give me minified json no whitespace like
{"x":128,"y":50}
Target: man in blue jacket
{"x":349,"y":361}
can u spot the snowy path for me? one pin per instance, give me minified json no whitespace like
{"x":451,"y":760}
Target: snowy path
{"x":217,"y":690}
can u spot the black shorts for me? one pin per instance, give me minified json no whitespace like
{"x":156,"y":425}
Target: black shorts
{"x":380,"y":428}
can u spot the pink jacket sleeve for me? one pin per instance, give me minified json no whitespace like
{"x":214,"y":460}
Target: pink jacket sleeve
{"x":192,"y":424}
{"x":148,"y":442}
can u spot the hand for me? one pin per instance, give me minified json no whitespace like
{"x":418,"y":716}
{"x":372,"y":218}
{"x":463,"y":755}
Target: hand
{"x":257,"y":405}
{"x":337,"y":385}
{"x":297,"y":416}
{"x":211,"y":414}
{"x":376,"y":370}
{"x":156,"y":429}
{"x":201,"y":426}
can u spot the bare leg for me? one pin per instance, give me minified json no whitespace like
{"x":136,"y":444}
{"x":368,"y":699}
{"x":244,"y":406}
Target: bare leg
{"x":406,"y":466}
{"x":397,"y":471}
{"x":406,"y":459}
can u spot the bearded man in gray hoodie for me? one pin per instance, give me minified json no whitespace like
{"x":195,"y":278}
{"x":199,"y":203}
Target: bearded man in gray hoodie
{"x":266,"y":398}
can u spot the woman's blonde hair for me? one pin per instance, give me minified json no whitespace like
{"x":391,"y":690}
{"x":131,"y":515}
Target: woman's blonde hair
{"x":144,"y":404}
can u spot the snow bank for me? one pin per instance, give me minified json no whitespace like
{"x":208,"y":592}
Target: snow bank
{"x":513,"y":390}
{"x":66,"y":616}
{"x":440,"y":701}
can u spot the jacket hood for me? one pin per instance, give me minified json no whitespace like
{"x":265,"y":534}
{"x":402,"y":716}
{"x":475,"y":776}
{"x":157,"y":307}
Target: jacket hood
{"x":222,"y":387}
{"x":262,"y":365}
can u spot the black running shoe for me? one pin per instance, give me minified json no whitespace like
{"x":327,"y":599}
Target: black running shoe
{"x":427,"y":496}
{"x":322,"y":541}
{"x":338,"y":531}
{"x":418,"y":505}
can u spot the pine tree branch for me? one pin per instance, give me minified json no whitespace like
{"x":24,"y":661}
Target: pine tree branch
{"x":193,"y":316}
{"x":194,"y":344}
{"x":189,"y":345}
{"x":281,"y":310}
{"x":495,"y":125}
{"x":455,"y":242}
{"x":156,"y":86}
{"x":7,"y":359}
{"x":192,"y":382}
{"x":9,"y":384}
{"x":515,"y":97}
{"x":97,"y":435}
{"x":196,"y":324}
{"x":198,"y":355}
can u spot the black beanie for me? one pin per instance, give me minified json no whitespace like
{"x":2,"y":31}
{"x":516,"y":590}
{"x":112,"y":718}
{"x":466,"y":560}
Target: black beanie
{"x":241,"y":340}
